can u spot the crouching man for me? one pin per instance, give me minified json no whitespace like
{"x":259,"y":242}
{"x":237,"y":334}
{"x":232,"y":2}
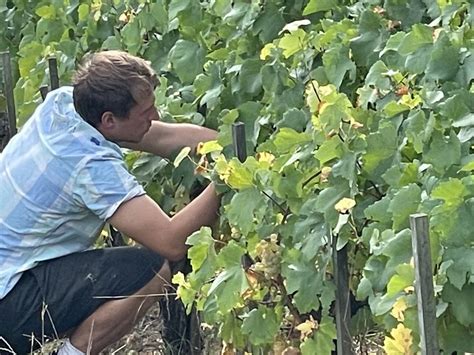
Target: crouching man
{"x":61,"y":178}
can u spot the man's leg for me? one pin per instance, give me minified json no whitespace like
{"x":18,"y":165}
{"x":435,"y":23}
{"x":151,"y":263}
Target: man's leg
{"x":59,"y":296}
{"x":116,"y":318}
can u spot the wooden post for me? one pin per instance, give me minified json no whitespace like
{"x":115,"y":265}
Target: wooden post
{"x":424,"y":283}
{"x":43,"y":91}
{"x":240,"y":150}
{"x":8,"y":84}
{"x":53,"y":73}
{"x":343,"y":300}
{"x":238,"y":135}
{"x":3,"y":130}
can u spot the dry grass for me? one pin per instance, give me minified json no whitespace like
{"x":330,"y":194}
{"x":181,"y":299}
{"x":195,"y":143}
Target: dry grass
{"x":145,"y":339}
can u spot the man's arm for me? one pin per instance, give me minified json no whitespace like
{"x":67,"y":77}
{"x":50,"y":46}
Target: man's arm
{"x":144,"y":221}
{"x":165,"y":138}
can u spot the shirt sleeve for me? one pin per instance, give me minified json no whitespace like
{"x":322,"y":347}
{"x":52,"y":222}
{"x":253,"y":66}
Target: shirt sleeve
{"x":103,"y":184}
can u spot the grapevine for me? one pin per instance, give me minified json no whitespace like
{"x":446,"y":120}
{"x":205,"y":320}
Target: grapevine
{"x":363,"y":102}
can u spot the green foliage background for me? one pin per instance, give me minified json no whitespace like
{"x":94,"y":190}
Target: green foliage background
{"x":369,"y":100}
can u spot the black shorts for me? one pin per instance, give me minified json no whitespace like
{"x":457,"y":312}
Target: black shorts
{"x":57,"y":295}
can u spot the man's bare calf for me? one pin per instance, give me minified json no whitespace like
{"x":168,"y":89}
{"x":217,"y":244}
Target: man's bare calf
{"x":114,"y":319}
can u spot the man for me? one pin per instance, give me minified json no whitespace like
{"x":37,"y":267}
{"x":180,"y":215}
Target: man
{"x":61,"y":178}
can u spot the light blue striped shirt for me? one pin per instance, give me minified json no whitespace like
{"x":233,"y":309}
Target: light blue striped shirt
{"x":60,"y":179}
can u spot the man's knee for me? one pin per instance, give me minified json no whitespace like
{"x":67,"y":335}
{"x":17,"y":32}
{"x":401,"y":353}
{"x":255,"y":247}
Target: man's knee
{"x":165,"y":272}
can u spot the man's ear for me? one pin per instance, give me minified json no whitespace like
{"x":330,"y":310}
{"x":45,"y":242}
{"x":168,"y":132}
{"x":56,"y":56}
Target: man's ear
{"x":107,"y":121}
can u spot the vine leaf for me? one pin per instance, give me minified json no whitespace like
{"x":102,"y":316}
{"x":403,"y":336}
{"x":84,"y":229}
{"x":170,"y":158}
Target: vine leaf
{"x":187,"y":59}
{"x":400,"y":341}
{"x":261,"y":325}
{"x":322,"y":341}
{"x":319,"y":5}
{"x":229,"y":285}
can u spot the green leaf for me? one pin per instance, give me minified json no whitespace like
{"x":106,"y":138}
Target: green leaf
{"x":420,"y":35}
{"x":246,"y":206}
{"x":378,"y":77}
{"x":443,"y":151}
{"x":177,"y":6}
{"x":319,"y":5}
{"x":112,"y":43}
{"x":202,"y":254}
{"x":404,"y":203}
{"x":131,"y":36}
{"x":381,"y":145}
{"x":261,"y":325}
{"x":337,"y":64}
{"x":250,"y":78}
{"x":287,"y":138}
{"x":295,"y":119}
{"x":452,"y":192}
{"x":378,"y":211}
{"x":404,"y":277}
{"x":452,"y":225}
{"x":304,"y":281}
{"x":329,"y":150}
{"x":231,"y":330}
{"x":232,"y":282}
{"x":394,"y":108}
{"x":416,"y":125}
{"x":322,"y":343}
{"x":461,"y":303}
{"x":462,"y":268}
{"x":328,"y":198}
{"x":444,"y":63}
{"x":201,"y":243}
{"x":346,"y":167}
{"x":269,"y":23}
{"x":467,"y":120}
{"x":187,"y":59}
{"x":366,"y":46}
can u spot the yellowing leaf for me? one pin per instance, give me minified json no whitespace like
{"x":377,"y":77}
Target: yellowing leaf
{"x":306,"y":328}
{"x":202,"y":166}
{"x":325,"y":171}
{"x":222,"y":168}
{"x":264,"y":157}
{"x":292,"y":43}
{"x":239,"y":177}
{"x":344,"y":205}
{"x":208,"y":147}
{"x":182,"y":154}
{"x":293,"y":26}
{"x":399,"y":308}
{"x":355,"y":124}
{"x":312,"y":99}
{"x":123,"y":17}
{"x":410,"y":101}
{"x":400,"y":341}
{"x":266,"y":50}
{"x":178,"y":278}
{"x":468,"y":167}
{"x":233,"y":173}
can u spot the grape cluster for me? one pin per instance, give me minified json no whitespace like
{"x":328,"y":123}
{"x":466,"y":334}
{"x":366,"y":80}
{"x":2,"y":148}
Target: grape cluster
{"x":269,"y":253}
